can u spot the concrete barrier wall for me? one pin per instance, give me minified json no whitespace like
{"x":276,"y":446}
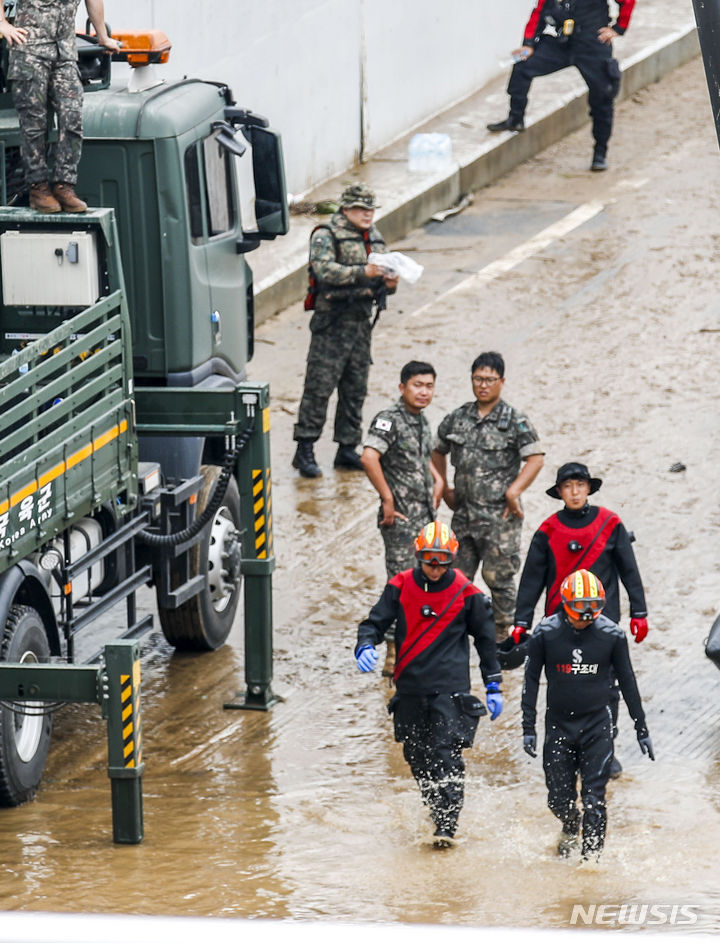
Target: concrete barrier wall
{"x":423,"y":56}
{"x":339,"y":78}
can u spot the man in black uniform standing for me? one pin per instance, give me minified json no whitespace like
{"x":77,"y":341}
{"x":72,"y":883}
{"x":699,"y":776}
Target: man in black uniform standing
{"x":578,"y":648}
{"x":437,"y":610}
{"x":561,"y":33}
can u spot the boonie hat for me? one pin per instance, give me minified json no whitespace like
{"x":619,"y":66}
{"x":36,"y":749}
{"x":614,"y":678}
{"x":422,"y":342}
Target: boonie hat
{"x":358,"y":194}
{"x":573,"y":470}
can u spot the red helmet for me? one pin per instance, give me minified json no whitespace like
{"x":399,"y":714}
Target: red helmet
{"x":436,"y":543}
{"x":583,"y":595}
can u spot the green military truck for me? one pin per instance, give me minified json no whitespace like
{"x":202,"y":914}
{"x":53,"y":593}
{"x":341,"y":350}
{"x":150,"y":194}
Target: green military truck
{"x":134,"y":452}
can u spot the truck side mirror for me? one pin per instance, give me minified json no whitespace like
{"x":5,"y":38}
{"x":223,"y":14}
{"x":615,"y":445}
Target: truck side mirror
{"x":271,"y":207}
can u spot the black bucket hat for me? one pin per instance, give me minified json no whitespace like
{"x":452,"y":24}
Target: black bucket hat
{"x":573,"y":470}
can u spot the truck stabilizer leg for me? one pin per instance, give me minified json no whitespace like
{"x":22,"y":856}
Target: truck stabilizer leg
{"x":253,"y":474}
{"x":125,"y":765}
{"x":258,"y":695}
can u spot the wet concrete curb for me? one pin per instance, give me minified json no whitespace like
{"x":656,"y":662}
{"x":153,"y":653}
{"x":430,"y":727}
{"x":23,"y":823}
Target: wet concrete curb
{"x":418,"y":199}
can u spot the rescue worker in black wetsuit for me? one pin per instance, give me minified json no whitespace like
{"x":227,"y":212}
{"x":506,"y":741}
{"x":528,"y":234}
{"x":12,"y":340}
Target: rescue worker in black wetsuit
{"x":581,"y":535}
{"x":578,"y":648}
{"x":436,"y":610}
{"x":561,"y":33}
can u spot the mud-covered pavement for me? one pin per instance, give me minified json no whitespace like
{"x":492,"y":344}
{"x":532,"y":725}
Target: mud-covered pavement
{"x":611,"y":336}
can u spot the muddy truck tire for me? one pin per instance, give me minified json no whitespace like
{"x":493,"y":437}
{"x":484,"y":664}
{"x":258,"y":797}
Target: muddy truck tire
{"x":25,"y":727}
{"x":203,"y":623}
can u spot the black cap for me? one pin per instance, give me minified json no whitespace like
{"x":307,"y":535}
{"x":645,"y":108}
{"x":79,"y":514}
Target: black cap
{"x":573,"y":470}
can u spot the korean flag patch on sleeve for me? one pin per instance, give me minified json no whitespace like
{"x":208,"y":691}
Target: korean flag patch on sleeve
{"x":385,"y":425}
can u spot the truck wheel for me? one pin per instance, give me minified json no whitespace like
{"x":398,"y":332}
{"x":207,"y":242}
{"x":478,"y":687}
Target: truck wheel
{"x":26,"y":727}
{"x":204,"y":622}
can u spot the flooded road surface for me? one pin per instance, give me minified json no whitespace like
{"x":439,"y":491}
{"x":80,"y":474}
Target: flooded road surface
{"x":609,"y":326}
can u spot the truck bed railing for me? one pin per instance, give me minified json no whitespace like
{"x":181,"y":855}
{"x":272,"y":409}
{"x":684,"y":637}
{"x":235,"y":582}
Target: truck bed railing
{"x":66,"y":427}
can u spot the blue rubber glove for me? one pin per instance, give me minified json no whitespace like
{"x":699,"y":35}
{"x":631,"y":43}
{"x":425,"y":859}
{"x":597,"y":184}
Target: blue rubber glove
{"x":530,"y":744}
{"x":367,"y":658}
{"x":494,"y":700}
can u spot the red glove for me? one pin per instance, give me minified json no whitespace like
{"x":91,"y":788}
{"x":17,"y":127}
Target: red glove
{"x":639,"y":628}
{"x":517,"y":633}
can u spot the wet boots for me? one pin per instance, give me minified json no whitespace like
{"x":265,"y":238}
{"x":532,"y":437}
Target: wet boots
{"x":347,"y":457}
{"x":568,"y":842}
{"x":599,"y":161}
{"x":304,"y":459}
{"x":570,"y":835}
{"x":443,"y":838}
{"x":305,"y":463}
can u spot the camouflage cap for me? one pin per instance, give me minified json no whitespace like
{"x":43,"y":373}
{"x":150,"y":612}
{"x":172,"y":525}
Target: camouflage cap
{"x":358,"y":194}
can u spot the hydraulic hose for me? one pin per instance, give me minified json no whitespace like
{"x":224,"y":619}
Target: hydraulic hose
{"x":172,"y":540}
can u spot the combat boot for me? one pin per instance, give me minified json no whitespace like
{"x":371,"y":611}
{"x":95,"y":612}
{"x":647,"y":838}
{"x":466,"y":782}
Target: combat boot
{"x":591,"y":848}
{"x":567,"y":844}
{"x":599,"y":161}
{"x":570,"y":835}
{"x":304,"y":460}
{"x":509,"y":124}
{"x":42,"y":200}
{"x":443,"y":838}
{"x":68,"y":198}
{"x":347,"y":457}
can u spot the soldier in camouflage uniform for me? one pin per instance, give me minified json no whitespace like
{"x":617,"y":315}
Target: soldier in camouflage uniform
{"x":496,"y":455}
{"x":341,"y":327}
{"x":44,"y":73}
{"x":396,"y":458}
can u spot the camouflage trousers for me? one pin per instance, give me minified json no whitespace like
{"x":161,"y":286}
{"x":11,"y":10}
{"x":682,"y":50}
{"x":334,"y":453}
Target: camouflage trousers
{"x":40,"y":85}
{"x":338,"y":359}
{"x":399,"y":541}
{"x":496,"y":544}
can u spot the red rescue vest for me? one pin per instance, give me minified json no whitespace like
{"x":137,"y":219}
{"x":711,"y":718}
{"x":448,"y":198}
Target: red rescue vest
{"x":423,"y":630}
{"x":593,"y":538}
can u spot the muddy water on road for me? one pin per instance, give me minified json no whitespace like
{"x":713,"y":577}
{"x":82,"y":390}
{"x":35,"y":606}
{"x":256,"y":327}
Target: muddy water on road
{"x":308,"y":811}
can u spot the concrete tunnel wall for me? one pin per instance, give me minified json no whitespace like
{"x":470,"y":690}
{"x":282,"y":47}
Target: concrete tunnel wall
{"x":339,"y":78}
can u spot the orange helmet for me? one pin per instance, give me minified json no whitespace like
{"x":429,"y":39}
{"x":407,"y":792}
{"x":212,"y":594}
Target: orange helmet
{"x":436,"y":543}
{"x":583,"y":595}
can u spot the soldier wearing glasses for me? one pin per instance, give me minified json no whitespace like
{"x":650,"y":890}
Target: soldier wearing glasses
{"x":496,"y":455}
